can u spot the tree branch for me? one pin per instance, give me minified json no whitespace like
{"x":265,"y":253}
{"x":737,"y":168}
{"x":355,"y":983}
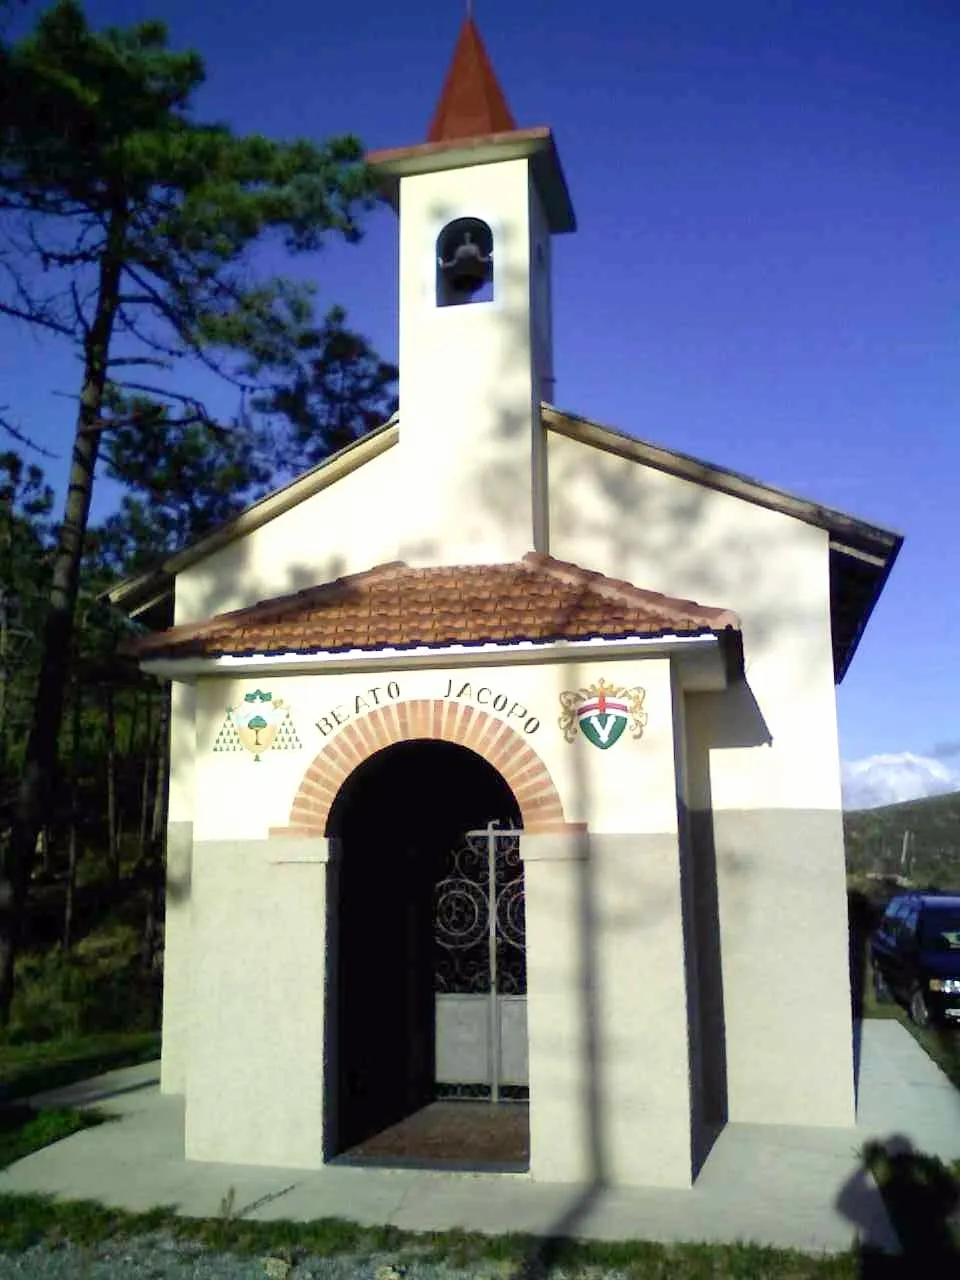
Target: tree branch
{"x":160,"y":392}
{"x":153,"y":298}
{"x":128,"y":360}
{"x":38,"y":318}
{"x":20,"y":436}
{"x":81,"y":319}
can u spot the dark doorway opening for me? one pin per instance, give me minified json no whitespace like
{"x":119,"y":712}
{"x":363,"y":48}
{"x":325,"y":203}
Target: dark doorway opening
{"x":394,"y":822}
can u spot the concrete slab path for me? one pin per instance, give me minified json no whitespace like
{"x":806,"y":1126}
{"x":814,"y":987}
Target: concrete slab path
{"x":793,"y":1187}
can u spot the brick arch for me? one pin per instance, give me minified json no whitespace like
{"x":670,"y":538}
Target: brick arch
{"x":439,"y":719}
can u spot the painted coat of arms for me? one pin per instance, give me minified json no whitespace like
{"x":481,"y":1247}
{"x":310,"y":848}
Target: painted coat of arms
{"x":258,"y":723}
{"x":602,"y":713}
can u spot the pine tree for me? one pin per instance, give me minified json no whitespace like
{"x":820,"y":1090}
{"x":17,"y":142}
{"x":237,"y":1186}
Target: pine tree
{"x":125,"y":229}
{"x":344,"y":391}
{"x":26,"y":501}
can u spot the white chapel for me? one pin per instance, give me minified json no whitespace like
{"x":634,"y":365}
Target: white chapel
{"x":505,"y":819}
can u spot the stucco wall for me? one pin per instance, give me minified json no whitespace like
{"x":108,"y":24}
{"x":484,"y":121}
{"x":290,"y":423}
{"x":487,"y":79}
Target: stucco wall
{"x":237,"y":797}
{"x":177,"y":933}
{"x":469,"y":386}
{"x":605,"y":946}
{"x":760,"y":828}
{"x":763,"y":760}
{"x":255,"y":1075}
{"x":345,"y":528}
{"x":608,"y":1014}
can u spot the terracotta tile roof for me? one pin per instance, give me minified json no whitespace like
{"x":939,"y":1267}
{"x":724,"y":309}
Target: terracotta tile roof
{"x":537,"y":598}
{"x":471,"y":103}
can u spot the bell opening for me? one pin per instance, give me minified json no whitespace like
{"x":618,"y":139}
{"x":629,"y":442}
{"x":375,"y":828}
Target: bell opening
{"x":464,"y":263}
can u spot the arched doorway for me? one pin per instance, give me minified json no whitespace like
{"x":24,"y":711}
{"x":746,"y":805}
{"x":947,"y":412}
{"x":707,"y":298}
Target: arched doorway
{"x":400,"y":909}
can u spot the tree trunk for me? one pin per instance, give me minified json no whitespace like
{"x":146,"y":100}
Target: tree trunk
{"x":150,"y":748}
{"x":156,"y":861}
{"x":36,"y":788}
{"x":158,"y":823}
{"x":113,"y":833}
{"x":72,"y":835}
{"x":4,"y":635}
{"x":134,"y":725}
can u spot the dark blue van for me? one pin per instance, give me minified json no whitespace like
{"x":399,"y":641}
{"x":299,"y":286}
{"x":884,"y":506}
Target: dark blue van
{"x":915,"y":955}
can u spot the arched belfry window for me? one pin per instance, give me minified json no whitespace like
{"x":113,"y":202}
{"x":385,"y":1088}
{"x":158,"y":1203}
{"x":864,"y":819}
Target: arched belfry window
{"x":464,"y":263}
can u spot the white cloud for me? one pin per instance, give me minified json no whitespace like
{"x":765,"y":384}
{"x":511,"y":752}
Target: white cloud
{"x":889,"y":779}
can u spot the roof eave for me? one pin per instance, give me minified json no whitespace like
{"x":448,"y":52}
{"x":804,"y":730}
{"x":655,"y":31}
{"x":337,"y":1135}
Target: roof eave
{"x":873,"y":548}
{"x":883,"y":572}
{"x":706,"y":657}
{"x":536,"y":145}
{"x":865,"y":536}
{"x":140,"y":592}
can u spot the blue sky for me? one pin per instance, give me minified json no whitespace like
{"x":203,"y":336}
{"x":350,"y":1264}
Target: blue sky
{"x":767,"y":267}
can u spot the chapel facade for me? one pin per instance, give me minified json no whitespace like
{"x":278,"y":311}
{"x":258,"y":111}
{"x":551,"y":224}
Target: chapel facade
{"x":504,"y":759}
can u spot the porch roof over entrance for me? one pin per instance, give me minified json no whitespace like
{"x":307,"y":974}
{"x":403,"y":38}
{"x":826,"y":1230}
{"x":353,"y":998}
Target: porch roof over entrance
{"x":537,"y":599}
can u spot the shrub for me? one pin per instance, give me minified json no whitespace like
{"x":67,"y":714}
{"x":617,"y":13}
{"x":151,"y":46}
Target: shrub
{"x":98,"y":987}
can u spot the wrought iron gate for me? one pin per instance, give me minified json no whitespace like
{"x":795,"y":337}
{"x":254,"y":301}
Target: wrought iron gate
{"x":481,"y":972}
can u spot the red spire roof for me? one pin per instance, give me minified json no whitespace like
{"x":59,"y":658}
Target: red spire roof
{"x":471,"y":103}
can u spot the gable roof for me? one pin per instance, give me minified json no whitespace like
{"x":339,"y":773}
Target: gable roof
{"x":144,"y":594}
{"x":861,"y":554}
{"x":471,"y":102}
{"x":537,"y":599}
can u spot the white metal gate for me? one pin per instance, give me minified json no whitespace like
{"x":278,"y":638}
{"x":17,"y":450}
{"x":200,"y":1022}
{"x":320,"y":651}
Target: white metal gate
{"x":481,"y":972}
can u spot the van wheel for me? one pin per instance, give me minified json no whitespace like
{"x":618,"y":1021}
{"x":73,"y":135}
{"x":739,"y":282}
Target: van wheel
{"x":881,"y":991}
{"x":919,"y":1013}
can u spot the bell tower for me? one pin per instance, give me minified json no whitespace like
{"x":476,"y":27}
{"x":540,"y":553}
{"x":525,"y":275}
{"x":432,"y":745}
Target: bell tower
{"x":478,"y":202}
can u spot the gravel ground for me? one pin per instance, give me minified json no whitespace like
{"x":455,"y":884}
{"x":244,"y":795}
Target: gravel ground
{"x":162,"y":1257}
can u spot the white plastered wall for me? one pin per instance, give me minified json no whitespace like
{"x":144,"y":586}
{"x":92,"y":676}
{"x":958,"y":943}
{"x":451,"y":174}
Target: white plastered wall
{"x":610,"y":1100}
{"x":346,"y":527}
{"x":765,"y":760}
{"x":178,"y":1003}
{"x":239,"y":798}
{"x":763,"y":757}
{"x":255,"y":1071}
{"x":471,"y":447}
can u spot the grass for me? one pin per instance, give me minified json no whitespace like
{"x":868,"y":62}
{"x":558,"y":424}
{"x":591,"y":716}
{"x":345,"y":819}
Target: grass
{"x":24,"y":1130}
{"x":942,"y":1043}
{"x":33,"y":1220}
{"x":920,"y":1193}
{"x":32,"y":1068}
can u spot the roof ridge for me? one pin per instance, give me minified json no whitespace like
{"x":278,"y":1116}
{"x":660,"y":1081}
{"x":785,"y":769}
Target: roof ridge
{"x":620,"y":588}
{"x":394,"y":604}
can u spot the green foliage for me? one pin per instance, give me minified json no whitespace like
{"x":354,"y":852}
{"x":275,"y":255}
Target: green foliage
{"x":97,"y":987}
{"x":24,"y":1130}
{"x":182,"y":480}
{"x":875,"y":841}
{"x":103,"y":159}
{"x":27,"y":1221}
{"x":36,"y":1066}
{"x":343,"y":391}
{"x":26,"y":501}
{"x":128,"y":228}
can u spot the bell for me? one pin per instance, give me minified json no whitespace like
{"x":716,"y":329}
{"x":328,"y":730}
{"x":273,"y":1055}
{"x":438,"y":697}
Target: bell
{"x":465,"y":257}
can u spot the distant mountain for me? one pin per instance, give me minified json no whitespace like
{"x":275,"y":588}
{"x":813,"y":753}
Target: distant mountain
{"x":930,"y":854}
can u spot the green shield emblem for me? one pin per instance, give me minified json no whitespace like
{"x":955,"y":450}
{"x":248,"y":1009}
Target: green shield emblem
{"x":602,"y":728}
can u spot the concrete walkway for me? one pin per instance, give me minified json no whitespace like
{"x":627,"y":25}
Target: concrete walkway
{"x":793,"y":1187}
